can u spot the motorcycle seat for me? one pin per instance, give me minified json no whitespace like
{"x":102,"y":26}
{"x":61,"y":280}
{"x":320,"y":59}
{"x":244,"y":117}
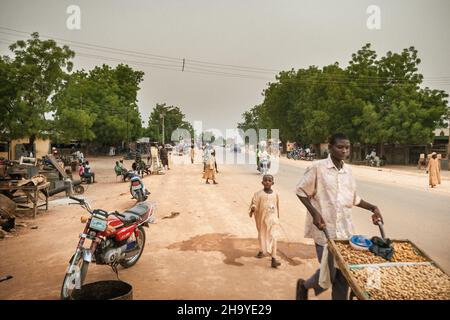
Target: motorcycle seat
{"x":140,"y":209}
{"x":129,"y":218}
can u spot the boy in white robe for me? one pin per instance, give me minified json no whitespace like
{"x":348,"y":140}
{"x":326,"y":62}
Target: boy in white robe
{"x":265,"y":208}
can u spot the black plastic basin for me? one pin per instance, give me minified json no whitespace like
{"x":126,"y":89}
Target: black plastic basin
{"x":104,"y":290}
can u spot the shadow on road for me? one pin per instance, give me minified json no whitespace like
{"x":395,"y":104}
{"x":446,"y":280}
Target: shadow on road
{"x":234,"y":248}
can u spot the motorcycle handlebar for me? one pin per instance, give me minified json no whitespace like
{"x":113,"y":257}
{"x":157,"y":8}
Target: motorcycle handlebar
{"x":117,"y":213}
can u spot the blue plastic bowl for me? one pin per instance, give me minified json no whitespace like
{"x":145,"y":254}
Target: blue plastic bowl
{"x":360,"y":242}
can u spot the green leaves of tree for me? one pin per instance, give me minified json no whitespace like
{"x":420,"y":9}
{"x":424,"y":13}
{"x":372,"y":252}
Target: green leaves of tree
{"x":36,"y":85}
{"x":28,"y":81}
{"x":173,"y":119}
{"x":109,"y":97}
{"x":373,"y":100}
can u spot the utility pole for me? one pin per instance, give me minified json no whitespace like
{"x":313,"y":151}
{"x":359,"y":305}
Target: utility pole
{"x":128,"y":143}
{"x":448,"y":142}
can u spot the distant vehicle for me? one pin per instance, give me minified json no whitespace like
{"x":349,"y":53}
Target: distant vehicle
{"x":168,"y":146}
{"x":264,"y":165}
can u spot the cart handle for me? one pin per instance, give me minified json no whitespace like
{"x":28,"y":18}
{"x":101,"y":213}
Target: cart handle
{"x":326,"y":233}
{"x":379,"y":223}
{"x":381,"y":226}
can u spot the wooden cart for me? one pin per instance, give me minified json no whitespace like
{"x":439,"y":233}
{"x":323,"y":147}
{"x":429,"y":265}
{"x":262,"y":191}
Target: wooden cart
{"x":31,"y":193}
{"x":356,"y":290}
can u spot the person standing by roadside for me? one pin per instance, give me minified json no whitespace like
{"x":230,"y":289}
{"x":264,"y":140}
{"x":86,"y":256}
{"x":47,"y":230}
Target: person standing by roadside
{"x":192,"y":153}
{"x":434,"y":171}
{"x":163,"y":155}
{"x":328,"y":191}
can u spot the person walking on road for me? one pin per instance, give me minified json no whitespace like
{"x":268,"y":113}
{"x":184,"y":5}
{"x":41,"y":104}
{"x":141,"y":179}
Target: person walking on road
{"x":209,"y":169}
{"x":266,"y":209}
{"x":434,"y":171}
{"x":328,"y":191}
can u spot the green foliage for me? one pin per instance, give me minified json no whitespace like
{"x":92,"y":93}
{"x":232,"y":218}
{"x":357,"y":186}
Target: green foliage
{"x":34,"y":86}
{"x":173,"y":120}
{"x":37,"y":72}
{"x":108,"y":97}
{"x":372,"y":101}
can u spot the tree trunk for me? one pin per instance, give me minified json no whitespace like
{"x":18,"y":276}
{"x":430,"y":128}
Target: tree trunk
{"x":351,"y":152}
{"x":381,"y":149}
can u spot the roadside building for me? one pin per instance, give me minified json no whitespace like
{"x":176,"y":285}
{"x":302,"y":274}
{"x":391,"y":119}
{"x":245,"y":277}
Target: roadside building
{"x":16,"y":148}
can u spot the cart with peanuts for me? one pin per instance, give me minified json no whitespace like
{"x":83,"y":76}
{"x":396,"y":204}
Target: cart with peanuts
{"x":409,"y":275}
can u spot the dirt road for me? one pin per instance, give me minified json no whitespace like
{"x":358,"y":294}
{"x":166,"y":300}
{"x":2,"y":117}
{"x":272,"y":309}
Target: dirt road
{"x":204,"y":252}
{"x":203,"y":243}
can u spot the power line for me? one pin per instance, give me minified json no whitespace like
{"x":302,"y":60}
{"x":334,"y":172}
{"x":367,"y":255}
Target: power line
{"x":203,"y":68}
{"x":179,"y":60}
{"x":164,"y":66}
{"x":205,"y":71}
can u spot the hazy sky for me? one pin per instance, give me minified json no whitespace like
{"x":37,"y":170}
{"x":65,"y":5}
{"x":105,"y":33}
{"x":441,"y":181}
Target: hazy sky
{"x":269,"y":34}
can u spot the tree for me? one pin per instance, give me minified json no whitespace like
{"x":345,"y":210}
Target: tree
{"x":106,"y":100}
{"x":409,"y":114}
{"x":251,"y":119}
{"x":74,"y":117}
{"x":173,"y":119}
{"x":8,"y":96}
{"x":37,"y":72}
{"x":373,"y":101}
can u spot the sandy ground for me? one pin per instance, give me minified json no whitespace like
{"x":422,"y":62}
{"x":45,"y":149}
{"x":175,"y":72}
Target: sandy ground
{"x":205,"y":251}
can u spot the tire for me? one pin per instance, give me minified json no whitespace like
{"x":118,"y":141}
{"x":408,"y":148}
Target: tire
{"x":140,"y":195}
{"x":83,"y":265}
{"x":78,"y":189}
{"x":127,"y":263}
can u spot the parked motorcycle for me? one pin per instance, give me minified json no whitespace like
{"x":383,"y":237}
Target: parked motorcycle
{"x":137,"y":189}
{"x":116,"y":239}
{"x":127,"y":175}
{"x":264,"y":165}
{"x":310,"y":156}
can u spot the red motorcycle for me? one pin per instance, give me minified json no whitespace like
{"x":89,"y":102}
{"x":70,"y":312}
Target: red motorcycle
{"x":116,"y":238}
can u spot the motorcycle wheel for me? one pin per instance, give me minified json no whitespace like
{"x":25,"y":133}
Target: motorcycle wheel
{"x":78,"y":189}
{"x":69,"y":279}
{"x":126,"y":263}
{"x":140,"y":195}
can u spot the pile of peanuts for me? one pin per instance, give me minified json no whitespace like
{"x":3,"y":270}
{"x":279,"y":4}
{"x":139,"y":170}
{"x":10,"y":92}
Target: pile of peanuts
{"x":425,"y":282}
{"x":403,"y":252}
